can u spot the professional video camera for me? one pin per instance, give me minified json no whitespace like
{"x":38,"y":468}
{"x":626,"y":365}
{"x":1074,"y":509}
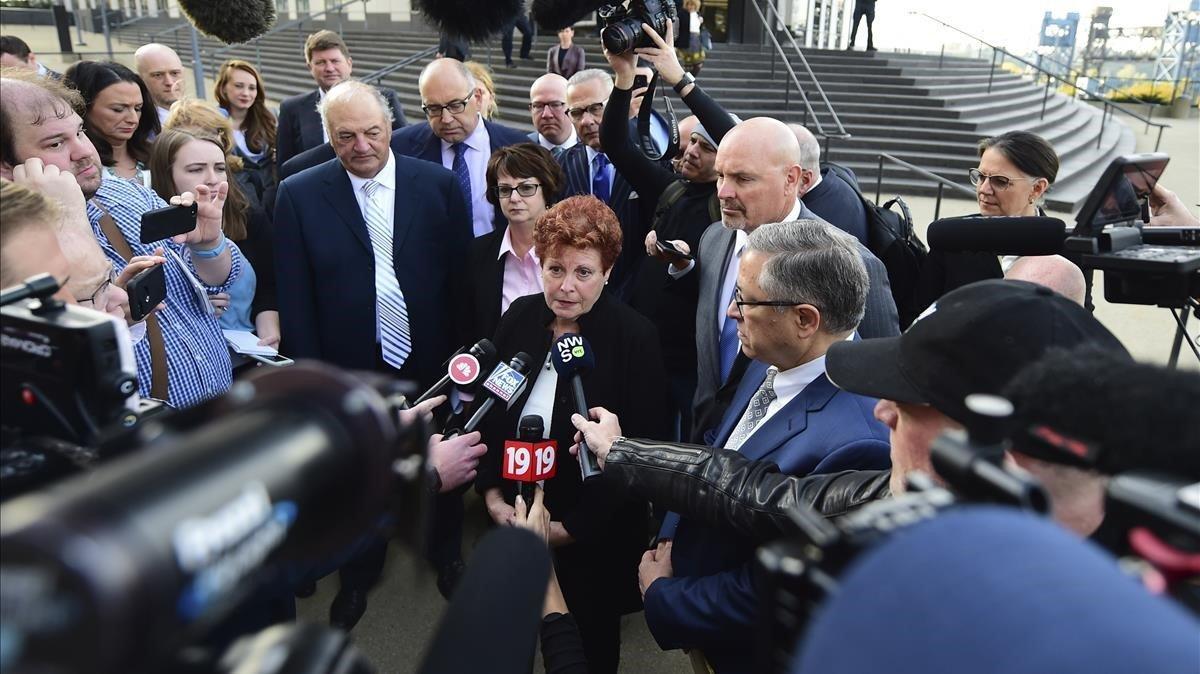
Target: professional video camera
{"x":622,"y":30}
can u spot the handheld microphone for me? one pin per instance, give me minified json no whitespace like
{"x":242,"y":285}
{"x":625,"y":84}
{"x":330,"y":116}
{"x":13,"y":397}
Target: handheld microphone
{"x":530,"y":458}
{"x":463,"y":368}
{"x":505,"y":384}
{"x":572,"y":357}
{"x":230,"y":22}
{"x":1001,"y":235}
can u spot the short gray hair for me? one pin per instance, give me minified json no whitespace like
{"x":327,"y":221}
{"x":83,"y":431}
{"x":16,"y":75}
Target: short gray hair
{"x":346,"y":90}
{"x":810,"y":148}
{"x":815,"y":263}
{"x":589,"y":75}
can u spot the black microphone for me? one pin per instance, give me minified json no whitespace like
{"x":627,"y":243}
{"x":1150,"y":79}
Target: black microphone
{"x":474,"y":20}
{"x":572,"y":357}
{"x":1001,"y":235}
{"x":231,"y":22}
{"x":505,"y":384}
{"x":532,"y":429}
{"x":463,"y":368}
{"x":557,"y":14}
{"x":491,"y":624}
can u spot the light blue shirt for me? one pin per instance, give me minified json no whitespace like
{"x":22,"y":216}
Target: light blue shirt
{"x":241,"y":297}
{"x":479,"y":150}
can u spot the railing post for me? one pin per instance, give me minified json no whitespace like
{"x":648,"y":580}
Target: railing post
{"x":879,"y":181}
{"x":1045,"y":98}
{"x":1157,"y":142}
{"x":937,"y":207}
{"x":197,"y":64}
{"x":1149,"y":114}
{"x":942,"y":56}
{"x":787,"y":95}
{"x":1103,"y":120}
{"x":992,"y":71}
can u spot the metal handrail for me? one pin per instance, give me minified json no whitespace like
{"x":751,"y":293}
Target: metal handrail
{"x":808,"y":109}
{"x":942,"y":183}
{"x":1049,"y":76}
{"x":172,"y":29}
{"x":378,"y":75}
{"x":287,"y":25}
{"x":811,"y":74}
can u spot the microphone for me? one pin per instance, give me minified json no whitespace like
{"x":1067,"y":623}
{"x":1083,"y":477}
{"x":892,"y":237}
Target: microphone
{"x":231,"y":22}
{"x":463,"y":368}
{"x":556,"y":14}
{"x":496,"y":609}
{"x":474,"y":20}
{"x":1001,"y":235}
{"x":572,"y":357}
{"x":531,"y":458}
{"x":505,"y":383}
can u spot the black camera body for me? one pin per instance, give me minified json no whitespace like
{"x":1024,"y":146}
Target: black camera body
{"x":622,"y":30}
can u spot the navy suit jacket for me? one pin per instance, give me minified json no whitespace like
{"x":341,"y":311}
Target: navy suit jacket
{"x":710,"y":602}
{"x":300,"y":124}
{"x":326,"y":267}
{"x":624,"y":201}
{"x":837,"y":203}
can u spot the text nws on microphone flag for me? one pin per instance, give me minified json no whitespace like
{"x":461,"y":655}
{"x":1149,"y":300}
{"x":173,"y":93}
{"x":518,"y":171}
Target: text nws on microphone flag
{"x":529,"y":461}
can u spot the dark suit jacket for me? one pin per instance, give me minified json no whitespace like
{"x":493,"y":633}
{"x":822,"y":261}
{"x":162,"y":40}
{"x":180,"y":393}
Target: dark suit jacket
{"x":573,"y":62}
{"x":326,"y":266}
{"x":485,"y":286}
{"x":633,"y":214}
{"x":836,"y":201}
{"x":300,"y":123}
{"x":710,"y":603}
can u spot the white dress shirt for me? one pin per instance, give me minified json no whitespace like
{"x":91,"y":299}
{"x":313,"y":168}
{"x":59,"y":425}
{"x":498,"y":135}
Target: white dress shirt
{"x":788,"y":384}
{"x":479,"y":150}
{"x":320,"y":100}
{"x":568,"y":144}
{"x":385,"y":196}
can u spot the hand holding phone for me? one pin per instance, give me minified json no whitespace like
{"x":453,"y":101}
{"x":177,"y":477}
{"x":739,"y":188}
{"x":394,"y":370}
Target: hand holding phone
{"x":146,"y":291}
{"x":671,"y":250}
{"x":164,"y":223}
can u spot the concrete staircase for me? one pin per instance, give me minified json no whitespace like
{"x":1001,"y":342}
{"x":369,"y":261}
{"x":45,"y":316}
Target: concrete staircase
{"x":926,"y":110}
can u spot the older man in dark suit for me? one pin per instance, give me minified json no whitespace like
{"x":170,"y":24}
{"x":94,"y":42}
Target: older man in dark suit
{"x":300,"y":127}
{"x":457,"y":137}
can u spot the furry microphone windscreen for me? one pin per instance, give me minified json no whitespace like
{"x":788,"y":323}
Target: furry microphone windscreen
{"x":231,"y":22}
{"x":473,"y":20}
{"x":556,"y":14}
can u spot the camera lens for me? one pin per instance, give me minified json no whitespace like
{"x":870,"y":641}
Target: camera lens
{"x":620,"y":36}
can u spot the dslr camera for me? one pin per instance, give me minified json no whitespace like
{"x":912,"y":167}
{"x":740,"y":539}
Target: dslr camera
{"x":622,"y":30}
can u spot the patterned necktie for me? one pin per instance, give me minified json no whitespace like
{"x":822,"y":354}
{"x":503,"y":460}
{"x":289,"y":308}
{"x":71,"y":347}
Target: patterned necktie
{"x":394,"y":336}
{"x":461,"y":172}
{"x":755,"y":411}
{"x":601,"y":185}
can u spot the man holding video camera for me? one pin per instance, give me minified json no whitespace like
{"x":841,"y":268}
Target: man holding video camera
{"x":184,"y":359}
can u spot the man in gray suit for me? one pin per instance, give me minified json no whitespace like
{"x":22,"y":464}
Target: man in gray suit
{"x":758,"y":178}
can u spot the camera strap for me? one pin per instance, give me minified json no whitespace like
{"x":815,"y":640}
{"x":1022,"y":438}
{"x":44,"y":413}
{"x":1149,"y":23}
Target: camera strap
{"x":158,"y":348}
{"x":643,"y":125}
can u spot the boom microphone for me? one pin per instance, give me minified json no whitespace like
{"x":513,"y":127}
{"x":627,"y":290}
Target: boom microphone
{"x":463,"y":368}
{"x":474,"y":20}
{"x":556,"y":14}
{"x":230,"y":22}
{"x":572,"y":357}
{"x":1001,"y":235}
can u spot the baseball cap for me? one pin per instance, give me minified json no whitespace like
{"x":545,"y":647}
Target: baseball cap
{"x":707,"y":136}
{"x":972,"y":340}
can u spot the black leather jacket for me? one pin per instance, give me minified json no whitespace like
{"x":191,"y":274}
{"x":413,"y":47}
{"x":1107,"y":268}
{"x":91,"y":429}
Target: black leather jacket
{"x":722,"y":488}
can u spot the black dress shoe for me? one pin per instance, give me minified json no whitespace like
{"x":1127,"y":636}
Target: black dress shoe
{"x":347,"y":609}
{"x":448,"y":577}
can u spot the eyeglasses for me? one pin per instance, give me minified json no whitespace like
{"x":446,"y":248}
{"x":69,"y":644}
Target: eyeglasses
{"x":103,"y":288}
{"x":595,"y":110}
{"x":999,"y":182}
{"x":741,"y":303}
{"x":524,"y":189}
{"x":554,"y":106}
{"x":455,"y":107}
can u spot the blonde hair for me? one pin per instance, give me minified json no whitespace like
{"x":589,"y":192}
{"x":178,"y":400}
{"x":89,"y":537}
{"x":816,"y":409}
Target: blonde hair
{"x":483,"y":78}
{"x":21,"y":209}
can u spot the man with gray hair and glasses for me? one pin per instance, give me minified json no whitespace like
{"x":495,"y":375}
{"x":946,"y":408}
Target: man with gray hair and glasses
{"x":801,"y":287}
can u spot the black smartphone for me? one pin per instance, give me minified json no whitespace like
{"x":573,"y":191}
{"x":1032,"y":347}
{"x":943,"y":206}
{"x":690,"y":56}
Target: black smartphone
{"x":668,"y":247}
{"x":640,"y":81}
{"x":164,"y":223}
{"x":146,"y":290}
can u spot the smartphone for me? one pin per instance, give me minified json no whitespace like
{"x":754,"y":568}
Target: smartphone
{"x":668,"y":247}
{"x":164,"y":223}
{"x":146,"y":291}
{"x":640,"y":81}
{"x":274,"y":361}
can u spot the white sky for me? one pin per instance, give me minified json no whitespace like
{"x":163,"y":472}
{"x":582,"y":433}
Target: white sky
{"x":1014,"y":24}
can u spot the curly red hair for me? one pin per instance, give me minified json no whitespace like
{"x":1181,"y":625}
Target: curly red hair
{"x":582,"y":222}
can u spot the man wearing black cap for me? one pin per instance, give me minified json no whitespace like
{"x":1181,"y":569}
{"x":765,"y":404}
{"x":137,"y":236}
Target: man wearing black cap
{"x":972,"y":341}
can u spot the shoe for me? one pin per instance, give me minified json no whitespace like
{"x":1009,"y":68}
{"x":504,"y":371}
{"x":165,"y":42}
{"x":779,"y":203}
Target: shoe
{"x":527,"y":57}
{"x":510,"y":64}
{"x":347,"y":609}
{"x":307,"y":590}
{"x":870,"y":48}
{"x":448,"y":577}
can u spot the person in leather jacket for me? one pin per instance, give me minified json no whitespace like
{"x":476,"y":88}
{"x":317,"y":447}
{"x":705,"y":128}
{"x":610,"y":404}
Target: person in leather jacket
{"x":972,"y":341}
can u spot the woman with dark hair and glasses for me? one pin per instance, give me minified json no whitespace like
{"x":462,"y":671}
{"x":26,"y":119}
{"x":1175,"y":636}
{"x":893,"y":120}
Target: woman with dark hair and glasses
{"x":120,"y":118}
{"x":1015,"y":170}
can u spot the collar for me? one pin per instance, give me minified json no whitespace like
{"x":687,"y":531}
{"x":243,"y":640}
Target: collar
{"x":591,"y":154}
{"x":385,"y":177}
{"x":791,"y":382}
{"x":320,"y":94}
{"x":740,"y":239}
{"x":567,"y":144}
{"x":478,"y":140}
{"x":817,"y":181}
{"x":795,"y":213}
{"x":506,"y":246}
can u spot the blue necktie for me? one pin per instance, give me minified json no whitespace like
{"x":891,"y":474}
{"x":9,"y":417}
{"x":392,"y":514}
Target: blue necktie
{"x":394,"y":336}
{"x":461,"y":172}
{"x":729,"y":344}
{"x":601,"y":185}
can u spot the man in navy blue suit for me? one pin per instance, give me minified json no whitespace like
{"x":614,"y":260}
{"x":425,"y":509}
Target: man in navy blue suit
{"x":457,"y":136}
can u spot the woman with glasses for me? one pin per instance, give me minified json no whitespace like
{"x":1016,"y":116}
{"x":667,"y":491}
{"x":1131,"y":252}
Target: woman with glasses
{"x":522,"y":181}
{"x":1015,"y":171}
{"x":597,"y":535}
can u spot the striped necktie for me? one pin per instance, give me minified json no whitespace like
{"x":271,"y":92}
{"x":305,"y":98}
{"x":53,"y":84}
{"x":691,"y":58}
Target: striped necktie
{"x":755,"y":411}
{"x":461,"y":172}
{"x":394,"y":336}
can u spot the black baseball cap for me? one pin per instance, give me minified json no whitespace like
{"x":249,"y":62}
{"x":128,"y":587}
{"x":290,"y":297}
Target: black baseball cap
{"x":972,"y":340}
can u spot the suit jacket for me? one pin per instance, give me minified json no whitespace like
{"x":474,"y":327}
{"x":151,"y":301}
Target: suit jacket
{"x":573,"y":62}
{"x":326,"y":266}
{"x":710,"y":603}
{"x":300,"y":123}
{"x":485,"y":287}
{"x":836,"y":202}
{"x":712,"y":258}
{"x":633,"y":214}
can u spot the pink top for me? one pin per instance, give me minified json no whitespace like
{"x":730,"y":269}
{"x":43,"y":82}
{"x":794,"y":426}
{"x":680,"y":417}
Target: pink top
{"x":522,"y":276}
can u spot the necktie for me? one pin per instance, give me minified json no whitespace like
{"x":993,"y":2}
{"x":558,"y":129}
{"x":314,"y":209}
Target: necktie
{"x":461,"y":172}
{"x":394,"y":336}
{"x":728,"y":345}
{"x":755,"y":411}
{"x":601,"y":185}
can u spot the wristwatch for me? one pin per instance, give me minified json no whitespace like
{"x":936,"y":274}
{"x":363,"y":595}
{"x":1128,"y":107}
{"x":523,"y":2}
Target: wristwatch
{"x":687,"y":79}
